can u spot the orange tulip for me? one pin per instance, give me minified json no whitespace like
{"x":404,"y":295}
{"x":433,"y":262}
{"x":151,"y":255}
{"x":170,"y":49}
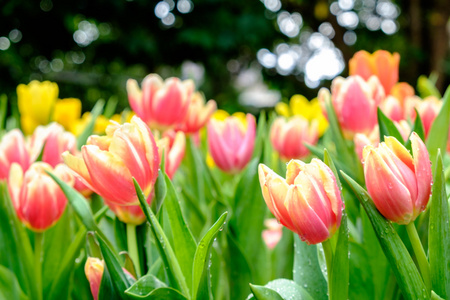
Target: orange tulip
{"x":381,"y":63}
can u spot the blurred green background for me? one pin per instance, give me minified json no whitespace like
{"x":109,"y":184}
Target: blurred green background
{"x":244,"y":54}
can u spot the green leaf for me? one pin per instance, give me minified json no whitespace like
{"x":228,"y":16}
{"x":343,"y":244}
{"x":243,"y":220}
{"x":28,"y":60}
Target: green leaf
{"x":110,"y":107}
{"x":361,"y":276}
{"x":128,"y":263}
{"x":9,"y":286}
{"x":164,"y":293}
{"x":287,"y":290}
{"x":427,"y":87}
{"x":307,"y":272}
{"x":261,"y":135}
{"x":118,"y":278}
{"x":96,"y":111}
{"x":438,"y":134}
{"x":81,"y":207}
{"x":264,"y":293}
{"x":184,"y":244}
{"x":340,"y":268}
{"x":106,"y":290}
{"x":160,"y":191}
{"x":417,"y":128}
{"x":165,"y":250}
{"x":144,"y":286}
{"x":408,"y":278}
{"x":387,"y":127}
{"x":439,"y":234}
{"x":239,"y":271}
{"x":200,"y":272}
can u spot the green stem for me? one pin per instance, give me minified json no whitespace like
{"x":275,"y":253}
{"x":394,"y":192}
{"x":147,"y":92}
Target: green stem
{"x":132,"y":247}
{"x":421,"y":257}
{"x":38,"y":239}
{"x":327,"y":249}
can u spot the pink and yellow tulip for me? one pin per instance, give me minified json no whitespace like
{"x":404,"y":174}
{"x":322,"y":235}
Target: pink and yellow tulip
{"x":94,"y":272}
{"x":428,"y":109}
{"x":198,"y":114}
{"x":37,"y":199}
{"x":398,"y":182}
{"x":273,"y":234}
{"x":231,"y":142}
{"x":308,"y":201}
{"x":287,"y":137}
{"x":381,"y":63}
{"x":14,"y":149}
{"x":160,"y":104}
{"x":109,"y":163}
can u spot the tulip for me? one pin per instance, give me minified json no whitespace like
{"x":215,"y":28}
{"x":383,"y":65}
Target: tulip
{"x":300,"y":106}
{"x":52,"y":140}
{"x":355,"y":102}
{"x":273,"y":234}
{"x":13,"y":149}
{"x":108,"y":163}
{"x":401,"y":91}
{"x":231,"y":141}
{"x":37,"y":199}
{"x":173,"y":144}
{"x":67,"y":112}
{"x":198,"y":114}
{"x":381,"y":63}
{"x":36,"y":102}
{"x":308,"y":201}
{"x":160,"y":104}
{"x":392,"y":108}
{"x":428,"y":110}
{"x":398,"y":182}
{"x":129,"y":214}
{"x":288,"y":137}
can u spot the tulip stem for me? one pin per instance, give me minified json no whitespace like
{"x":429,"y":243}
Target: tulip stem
{"x":38,"y":239}
{"x":421,"y":257}
{"x":328,"y":251}
{"x":132,"y":247}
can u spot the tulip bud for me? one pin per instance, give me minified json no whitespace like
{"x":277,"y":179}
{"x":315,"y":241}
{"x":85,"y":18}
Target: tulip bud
{"x":13,"y":149}
{"x":94,"y":272}
{"x":398,"y":182}
{"x":160,"y":104}
{"x":231,"y":142}
{"x":354,"y":94}
{"x":288,"y":138}
{"x":37,"y":198}
{"x":109,"y":163}
{"x":308,"y":201}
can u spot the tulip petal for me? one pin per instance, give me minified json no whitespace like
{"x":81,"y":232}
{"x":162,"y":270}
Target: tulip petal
{"x":308,"y":225}
{"x":78,"y":167}
{"x":422,"y":165}
{"x":110,"y":177}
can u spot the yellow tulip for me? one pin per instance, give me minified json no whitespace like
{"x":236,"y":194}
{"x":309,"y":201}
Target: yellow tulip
{"x":36,"y":102}
{"x":300,"y":106}
{"x":67,"y":112}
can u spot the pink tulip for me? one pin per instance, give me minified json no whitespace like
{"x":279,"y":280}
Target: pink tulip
{"x":52,"y":140}
{"x":273,"y":234}
{"x":198,"y":114}
{"x":173,"y":144}
{"x":13,"y":149}
{"x":398,"y":182}
{"x":428,"y":110}
{"x":355,"y":102}
{"x":160,"y":104}
{"x":392,"y":108}
{"x":37,"y":199}
{"x":308,"y":201}
{"x":109,"y":163}
{"x":288,"y":137}
{"x":231,"y":142}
